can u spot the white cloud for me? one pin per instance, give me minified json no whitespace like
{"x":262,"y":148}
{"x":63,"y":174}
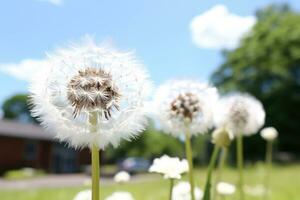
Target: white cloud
{"x":54,"y":2}
{"x":217,"y":28}
{"x":25,"y":70}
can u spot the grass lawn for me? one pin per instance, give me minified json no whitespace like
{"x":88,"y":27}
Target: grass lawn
{"x":285,"y":186}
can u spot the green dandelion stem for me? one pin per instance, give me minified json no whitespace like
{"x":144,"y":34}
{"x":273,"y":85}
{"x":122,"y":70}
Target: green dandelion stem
{"x":221,"y":165}
{"x":268,"y":167}
{"x":189,"y":156}
{"x":95,"y":159}
{"x":240,"y":166}
{"x":212,"y":163}
{"x":171,"y":188}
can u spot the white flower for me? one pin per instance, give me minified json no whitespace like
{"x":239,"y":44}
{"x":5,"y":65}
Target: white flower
{"x":120,"y":196}
{"x":86,"y":79}
{"x":83,"y":195}
{"x":269,"y":133}
{"x":182,"y":104}
{"x":181,"y":191}
{"x":225,"y":188}
{"x":240,"y":113}
{"x":171,"y":168}
{"x":222,"y":137}
{"x":122,"y":177}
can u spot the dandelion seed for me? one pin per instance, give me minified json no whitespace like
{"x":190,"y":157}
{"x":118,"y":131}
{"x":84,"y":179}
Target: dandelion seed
{"x":88,"y":79}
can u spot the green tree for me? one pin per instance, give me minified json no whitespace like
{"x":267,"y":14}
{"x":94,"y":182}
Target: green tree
{"x":17,"y":108}
{"x":267,"y":65}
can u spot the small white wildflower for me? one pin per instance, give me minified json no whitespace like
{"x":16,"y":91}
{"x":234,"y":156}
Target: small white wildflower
{"x":120,"y":196}
{"x":122,"y":177}
{"x":181,"y":191}
{"x":225,"y":188}
{"x":240,"y":113}
{"x":87,"y":78}
{"x":170,"y":167}
{"x":182,"y":104}
{"x":83,"y":195}
{"x":269,"y":133}
{"x":222,"y":137}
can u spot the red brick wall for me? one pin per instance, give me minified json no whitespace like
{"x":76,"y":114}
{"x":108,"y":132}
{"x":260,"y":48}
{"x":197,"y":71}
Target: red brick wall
{"x":44,"y":155}
{"x":11,"y":152}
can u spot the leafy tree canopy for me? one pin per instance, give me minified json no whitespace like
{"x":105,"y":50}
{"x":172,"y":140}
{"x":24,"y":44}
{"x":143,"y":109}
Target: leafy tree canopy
{"x":267,"y":65}
{"x":16,"y":108}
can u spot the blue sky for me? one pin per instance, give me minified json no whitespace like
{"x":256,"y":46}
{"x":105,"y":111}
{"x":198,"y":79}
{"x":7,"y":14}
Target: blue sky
{"x":157,"y":30}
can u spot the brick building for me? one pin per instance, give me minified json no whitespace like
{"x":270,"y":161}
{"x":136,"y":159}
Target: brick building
{"x":27,"y":145}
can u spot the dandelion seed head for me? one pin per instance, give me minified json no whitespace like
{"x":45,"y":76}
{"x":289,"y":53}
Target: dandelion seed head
{"x":239,"y":113}
{"x":86,"y":78}
{"x":269,"y":133}
{"x":185,"y":107}
{"x":92,"y":89}
{"x":185,"y":104}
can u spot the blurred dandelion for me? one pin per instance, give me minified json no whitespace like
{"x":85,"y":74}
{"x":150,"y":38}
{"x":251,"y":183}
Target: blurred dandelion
{"x":120,"y":196}
{"x":181,"y":191}
{"x":269,"y":134}
{"x":225,"y":189}
{"x":122,"y":177}
{"x":91,"y":96}
{"x":171,"y":168}
{"x":185,"y":106}
{"x":243,"y":115}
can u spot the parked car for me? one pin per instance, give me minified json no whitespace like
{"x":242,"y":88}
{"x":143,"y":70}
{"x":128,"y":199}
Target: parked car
{"x":134,"y":165}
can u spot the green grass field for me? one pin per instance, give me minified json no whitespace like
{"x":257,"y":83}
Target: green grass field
{"x":285,"y":186}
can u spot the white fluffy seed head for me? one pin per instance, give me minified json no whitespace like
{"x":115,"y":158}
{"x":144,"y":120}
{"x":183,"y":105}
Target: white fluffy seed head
{"x":185,"y":104}
{"x":269,"y":133}
{"x":239,"y":113}
{"x":88,"y":78}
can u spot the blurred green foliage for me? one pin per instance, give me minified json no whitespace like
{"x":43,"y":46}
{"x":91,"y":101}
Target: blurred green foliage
{"x":267,"y":65}
{"x":23,"y":173}
{"x":16,"y":108}
{"x":154,"y":143}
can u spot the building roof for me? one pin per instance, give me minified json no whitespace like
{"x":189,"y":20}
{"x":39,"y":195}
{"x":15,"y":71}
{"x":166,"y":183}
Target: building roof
{"x":22,"y":130}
